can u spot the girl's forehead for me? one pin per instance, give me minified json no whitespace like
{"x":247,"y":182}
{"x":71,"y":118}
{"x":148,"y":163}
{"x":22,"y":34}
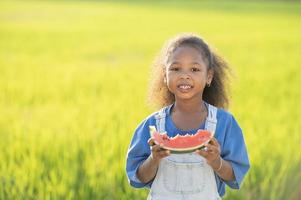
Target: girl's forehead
{"x":185,"y":53}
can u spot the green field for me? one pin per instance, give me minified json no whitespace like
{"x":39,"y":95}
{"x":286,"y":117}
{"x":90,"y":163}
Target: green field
{"x":73,"y":86}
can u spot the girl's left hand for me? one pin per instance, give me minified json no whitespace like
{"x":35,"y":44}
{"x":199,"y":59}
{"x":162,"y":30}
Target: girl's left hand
{"x":211,"y":153}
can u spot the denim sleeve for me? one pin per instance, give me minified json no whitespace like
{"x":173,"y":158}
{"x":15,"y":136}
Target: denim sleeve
{"x":235,"y":151}
{"x":137,"y":153}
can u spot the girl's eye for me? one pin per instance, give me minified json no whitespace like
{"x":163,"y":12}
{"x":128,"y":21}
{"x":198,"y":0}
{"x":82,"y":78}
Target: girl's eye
{"x":195,"y":69}
{"x":174,"y":68}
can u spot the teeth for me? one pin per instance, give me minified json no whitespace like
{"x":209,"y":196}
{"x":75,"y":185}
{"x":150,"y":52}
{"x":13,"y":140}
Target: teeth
{"x":185,"y":86}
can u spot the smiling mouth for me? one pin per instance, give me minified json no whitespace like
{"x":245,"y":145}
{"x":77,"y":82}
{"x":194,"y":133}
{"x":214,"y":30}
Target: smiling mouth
{"x":184,"y":87}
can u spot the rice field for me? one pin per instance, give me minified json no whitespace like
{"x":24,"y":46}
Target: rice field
{"x":73,"y":87}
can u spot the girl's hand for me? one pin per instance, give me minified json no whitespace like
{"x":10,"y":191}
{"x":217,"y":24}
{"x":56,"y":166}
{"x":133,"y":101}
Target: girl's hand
{"x":211,"y":153}
{"x":157,"y":151}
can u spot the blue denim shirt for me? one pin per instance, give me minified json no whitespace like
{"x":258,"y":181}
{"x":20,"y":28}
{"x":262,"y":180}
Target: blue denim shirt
{"x":228,"y":134}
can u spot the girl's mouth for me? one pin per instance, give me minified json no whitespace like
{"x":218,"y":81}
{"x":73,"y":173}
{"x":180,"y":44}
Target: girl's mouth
{"x":185,"y":87}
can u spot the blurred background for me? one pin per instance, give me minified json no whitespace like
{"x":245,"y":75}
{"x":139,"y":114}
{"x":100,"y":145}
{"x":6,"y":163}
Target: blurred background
{"x":73,"y":87}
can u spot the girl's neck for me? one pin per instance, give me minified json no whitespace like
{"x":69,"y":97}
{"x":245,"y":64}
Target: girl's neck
{"x":188,"y":115}
{"x":191,"y":106}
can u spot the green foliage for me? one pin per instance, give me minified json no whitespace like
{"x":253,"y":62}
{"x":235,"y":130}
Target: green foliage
{"x":73,"y":83}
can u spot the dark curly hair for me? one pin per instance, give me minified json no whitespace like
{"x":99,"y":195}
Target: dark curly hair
{"x":216,"y":94}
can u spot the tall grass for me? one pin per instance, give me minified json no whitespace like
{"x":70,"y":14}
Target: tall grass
{"x":73,"y":82}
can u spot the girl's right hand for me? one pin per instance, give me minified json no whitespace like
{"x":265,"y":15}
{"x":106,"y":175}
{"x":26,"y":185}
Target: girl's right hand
{"x":157,"y":152}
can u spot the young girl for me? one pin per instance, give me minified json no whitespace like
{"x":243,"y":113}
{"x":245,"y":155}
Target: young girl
{"x":189,"y":83}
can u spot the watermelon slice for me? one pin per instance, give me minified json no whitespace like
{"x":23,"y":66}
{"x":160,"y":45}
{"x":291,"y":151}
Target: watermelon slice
{"x":181,"y":143}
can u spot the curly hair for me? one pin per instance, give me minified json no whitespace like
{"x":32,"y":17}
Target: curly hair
{"x":216,"y":94}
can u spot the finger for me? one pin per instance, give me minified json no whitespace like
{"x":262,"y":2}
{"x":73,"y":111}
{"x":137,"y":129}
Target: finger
{"x":212,"y":149}
{"x":164,"y":153}
{"x":155,"y":147}
{"x":158,"y":147}
{"x":202,"y":153}
{"x":151,"y":141}
{"x":214,"y":142}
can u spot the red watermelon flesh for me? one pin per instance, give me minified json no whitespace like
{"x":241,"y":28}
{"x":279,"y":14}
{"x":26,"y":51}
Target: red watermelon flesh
{"x":181,"y":143}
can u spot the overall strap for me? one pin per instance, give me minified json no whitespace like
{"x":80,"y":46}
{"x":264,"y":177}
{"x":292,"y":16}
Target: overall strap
{"x":160,"y":119}
{"x":210,"y":123}
{"x":211,"y":120}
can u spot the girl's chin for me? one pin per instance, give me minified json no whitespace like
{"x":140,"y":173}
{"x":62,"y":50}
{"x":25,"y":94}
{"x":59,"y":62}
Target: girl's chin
{"x":183,"y":96}
{"x":186,"y":96}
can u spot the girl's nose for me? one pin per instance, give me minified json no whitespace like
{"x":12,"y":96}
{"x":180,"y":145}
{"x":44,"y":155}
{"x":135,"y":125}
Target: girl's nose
{"x":185,"y":75}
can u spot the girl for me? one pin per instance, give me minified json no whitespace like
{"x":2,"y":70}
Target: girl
{"x":189,"y":83}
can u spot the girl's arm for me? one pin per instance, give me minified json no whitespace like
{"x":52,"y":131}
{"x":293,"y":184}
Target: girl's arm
{"x":148,"y":169}
{"x":224,"y":169}
{"x":212,"y":154}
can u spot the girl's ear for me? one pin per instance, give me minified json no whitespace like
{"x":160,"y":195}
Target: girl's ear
{"x":210,"y":77}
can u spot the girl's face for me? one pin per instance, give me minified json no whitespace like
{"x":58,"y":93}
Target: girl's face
{"x":187,"y":74}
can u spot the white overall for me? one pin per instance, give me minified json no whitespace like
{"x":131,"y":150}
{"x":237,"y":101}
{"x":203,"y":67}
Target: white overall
{"x":185,"y":176}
